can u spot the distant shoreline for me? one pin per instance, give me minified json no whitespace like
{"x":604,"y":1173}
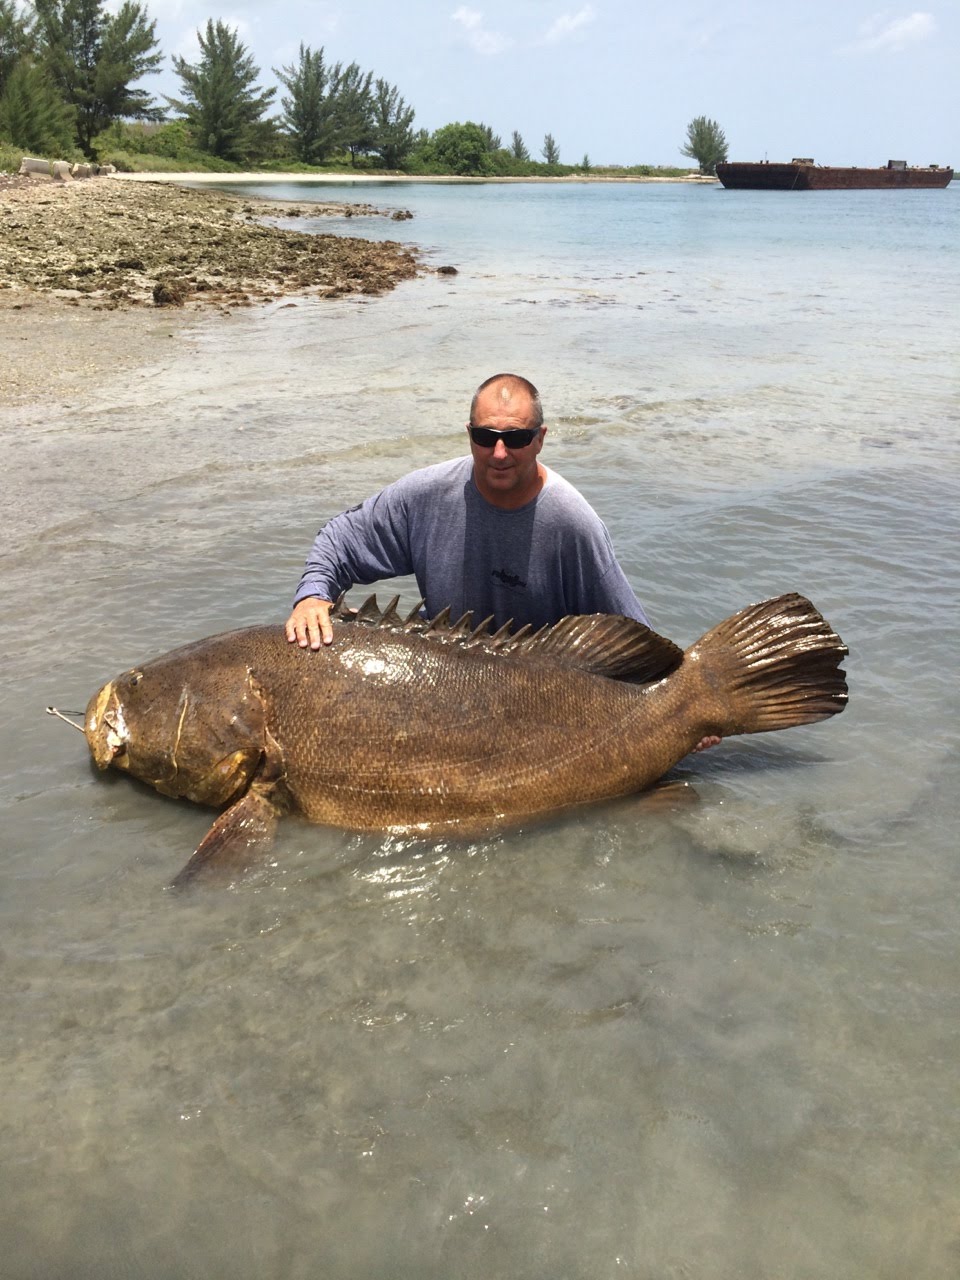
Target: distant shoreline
{"x":264,"y":178}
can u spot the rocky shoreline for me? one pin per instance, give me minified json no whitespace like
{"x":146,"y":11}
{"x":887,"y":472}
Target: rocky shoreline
{"x":108,"y":245}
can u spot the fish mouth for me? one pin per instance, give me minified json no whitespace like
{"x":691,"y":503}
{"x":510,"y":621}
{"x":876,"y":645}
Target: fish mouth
{"x":105,"y":728}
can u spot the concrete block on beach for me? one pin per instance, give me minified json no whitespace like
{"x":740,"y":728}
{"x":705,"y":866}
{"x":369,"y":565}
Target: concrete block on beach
{"x":28,"y":165}
{"x":81,"y":170}
{"x":62,"y":171}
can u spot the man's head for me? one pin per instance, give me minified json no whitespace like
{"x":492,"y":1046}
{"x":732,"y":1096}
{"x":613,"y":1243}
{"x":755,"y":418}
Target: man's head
{"x":506,"y":433}
{"x":507,"y":387}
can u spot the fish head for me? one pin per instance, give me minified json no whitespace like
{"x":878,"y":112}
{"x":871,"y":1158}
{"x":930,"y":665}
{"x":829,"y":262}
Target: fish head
{"x":178,"y":729}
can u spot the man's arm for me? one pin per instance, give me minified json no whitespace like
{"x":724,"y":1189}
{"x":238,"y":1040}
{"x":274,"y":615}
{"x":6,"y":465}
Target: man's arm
{"x":363,"y":544}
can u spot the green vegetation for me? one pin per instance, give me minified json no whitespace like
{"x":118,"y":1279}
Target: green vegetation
{"x":32,"y":110}
{"x":70,"y":76}
{"x":94,"y":58}
{"x":392,"y":126}
{"x":15,"y":38}
{"x":221,"y":104}
{"x":705,"y":143}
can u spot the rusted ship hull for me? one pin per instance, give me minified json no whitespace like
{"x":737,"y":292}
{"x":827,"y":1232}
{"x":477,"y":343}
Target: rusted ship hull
{"x":812,"y":177}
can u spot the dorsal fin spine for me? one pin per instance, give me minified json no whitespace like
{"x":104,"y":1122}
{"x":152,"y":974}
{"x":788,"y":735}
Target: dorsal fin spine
{"x":602,"y":644}
{"x":369,"y":611}
{"x":390,"y":617}
{"x":442,"y":621}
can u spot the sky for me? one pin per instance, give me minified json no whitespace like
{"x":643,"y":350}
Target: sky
{"x":844,"y":82}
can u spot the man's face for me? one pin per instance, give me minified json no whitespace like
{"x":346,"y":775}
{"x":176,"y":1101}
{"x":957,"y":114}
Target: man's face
{"x":506,"y":477}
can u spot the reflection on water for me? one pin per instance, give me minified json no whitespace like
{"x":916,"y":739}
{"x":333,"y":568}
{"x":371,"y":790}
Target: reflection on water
{"x":707,"y":1037}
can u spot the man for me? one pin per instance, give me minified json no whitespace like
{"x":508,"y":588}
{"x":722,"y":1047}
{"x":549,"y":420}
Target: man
{"x":496,"y":533}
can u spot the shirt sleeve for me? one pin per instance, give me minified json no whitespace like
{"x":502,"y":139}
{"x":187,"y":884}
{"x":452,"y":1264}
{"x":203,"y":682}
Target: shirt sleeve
{"x":362,"y":545}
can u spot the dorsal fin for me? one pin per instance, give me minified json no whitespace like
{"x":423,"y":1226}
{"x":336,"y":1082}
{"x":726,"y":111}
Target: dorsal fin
{"x":606,"y":645}
{"x":602,"y":644}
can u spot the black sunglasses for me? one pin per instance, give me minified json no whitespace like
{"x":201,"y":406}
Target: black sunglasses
{"x":514,"y":438}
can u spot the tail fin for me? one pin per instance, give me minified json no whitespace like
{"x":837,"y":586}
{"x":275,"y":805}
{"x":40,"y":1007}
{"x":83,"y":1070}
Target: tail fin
{"x":778,"y":665}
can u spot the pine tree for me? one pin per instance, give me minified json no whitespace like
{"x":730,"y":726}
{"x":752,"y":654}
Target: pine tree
{"x":354,"y":110}
{"x":706,"y":144}
{"x":492,"y":139}
{"x":518,"y":148}
{"x":550,"y":152}
{"x":14,"y":38}
{"x":94,"y":57}
{"x":33,"y":116}
{"x":309,"y":113}
{"x":392,"y":120}
{"x":221,"y":104}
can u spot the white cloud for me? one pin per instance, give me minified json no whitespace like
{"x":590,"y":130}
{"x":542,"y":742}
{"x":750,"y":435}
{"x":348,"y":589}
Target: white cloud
{"x":479,"y":37}
{"x":892,"y":36}
{"x":567,"y":23}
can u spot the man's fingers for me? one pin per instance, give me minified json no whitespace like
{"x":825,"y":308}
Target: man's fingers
{"x":309,"y":625}
{"x":321,"y":628}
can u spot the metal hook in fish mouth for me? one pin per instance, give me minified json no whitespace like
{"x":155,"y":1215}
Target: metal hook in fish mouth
{"x":52,"y":711}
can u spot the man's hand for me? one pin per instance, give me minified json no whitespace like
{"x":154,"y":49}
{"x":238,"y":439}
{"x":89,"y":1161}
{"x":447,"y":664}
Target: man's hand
{"x":310,"y":624}
{"x":711,"y":740}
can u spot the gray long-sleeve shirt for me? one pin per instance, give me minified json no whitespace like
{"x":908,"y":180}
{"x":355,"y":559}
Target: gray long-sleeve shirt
{"x":536,"y":564}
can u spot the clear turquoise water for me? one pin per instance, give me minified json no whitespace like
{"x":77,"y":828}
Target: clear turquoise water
{"x":718,"y":1040}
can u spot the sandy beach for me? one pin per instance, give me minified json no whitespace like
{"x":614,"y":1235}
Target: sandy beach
{"x":76,"y":258}
{"x":360,"y":176}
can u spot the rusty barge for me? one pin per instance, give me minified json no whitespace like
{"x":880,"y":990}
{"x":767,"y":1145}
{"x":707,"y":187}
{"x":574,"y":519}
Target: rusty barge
{"x":804,"y":175}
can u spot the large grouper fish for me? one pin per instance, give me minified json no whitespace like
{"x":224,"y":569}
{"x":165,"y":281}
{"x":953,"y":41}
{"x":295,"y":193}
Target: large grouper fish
{"x":442,"y":728}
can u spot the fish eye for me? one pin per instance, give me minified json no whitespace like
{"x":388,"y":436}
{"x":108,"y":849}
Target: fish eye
{"x":136,"y":677}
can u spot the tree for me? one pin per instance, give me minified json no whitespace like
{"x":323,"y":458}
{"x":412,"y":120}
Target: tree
{"x":32,"y":113}
{"x":221,"y":103}
{"x":550,"y":152}
{"x":492,"y":139}
{"x":518,"y":148}
{"x":309,"y":113}
{"x":354,"y":110}
{"x":94,"y":57}
{"x":392,"y":120}
{"x":585,"y":163}
{"x":705,"y":143}
{"x":460,"y":148}
{"x":14,"y":38}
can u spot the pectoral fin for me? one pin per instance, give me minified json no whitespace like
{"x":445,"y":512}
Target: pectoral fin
{"x":243,"y":834}
{"x":240,"y":837}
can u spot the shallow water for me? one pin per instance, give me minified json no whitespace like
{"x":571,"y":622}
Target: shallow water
{"x":713,"y":1037}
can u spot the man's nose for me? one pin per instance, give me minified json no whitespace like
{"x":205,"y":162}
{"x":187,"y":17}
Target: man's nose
{"x":500,"y":449}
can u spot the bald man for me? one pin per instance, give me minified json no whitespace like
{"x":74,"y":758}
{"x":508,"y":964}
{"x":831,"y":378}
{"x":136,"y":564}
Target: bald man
{"x":496,"y":533}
